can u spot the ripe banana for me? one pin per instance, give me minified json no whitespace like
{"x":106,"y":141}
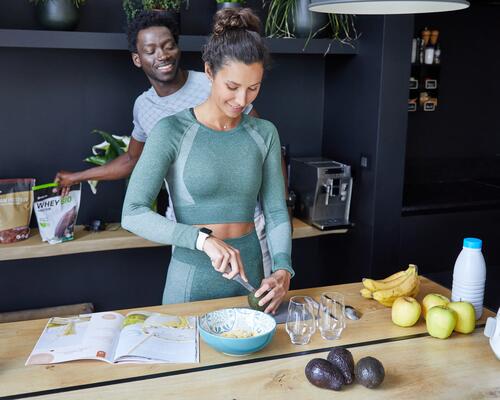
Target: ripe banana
{"x":367,"y":294}
{"x":408,"y":287}
{"x":391,"y":282}
{"x":398,"y":274}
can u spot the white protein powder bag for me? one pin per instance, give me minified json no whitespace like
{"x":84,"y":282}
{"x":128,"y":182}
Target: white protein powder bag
{"x":56,"y":215}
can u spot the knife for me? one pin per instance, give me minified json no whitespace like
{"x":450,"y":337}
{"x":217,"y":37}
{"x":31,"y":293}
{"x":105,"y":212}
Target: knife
{"x":240,"y":280}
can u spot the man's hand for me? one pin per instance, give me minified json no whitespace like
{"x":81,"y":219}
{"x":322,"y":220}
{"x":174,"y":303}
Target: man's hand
{"x":65,"y":180}
{"x":276,"y":286}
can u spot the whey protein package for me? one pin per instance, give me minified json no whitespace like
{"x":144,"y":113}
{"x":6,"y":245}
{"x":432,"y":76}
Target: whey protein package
{"x":16,"y":203}
{"x":56,"y":215}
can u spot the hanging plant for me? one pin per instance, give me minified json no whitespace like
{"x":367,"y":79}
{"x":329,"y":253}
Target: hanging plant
{"x":282,"y":20}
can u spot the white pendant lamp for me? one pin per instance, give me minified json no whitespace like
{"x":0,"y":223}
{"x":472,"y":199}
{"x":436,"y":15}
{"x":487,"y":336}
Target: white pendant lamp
{"x":382,"y":7}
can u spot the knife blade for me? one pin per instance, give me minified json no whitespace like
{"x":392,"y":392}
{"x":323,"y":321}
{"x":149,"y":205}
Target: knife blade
{"x":240,"y":280}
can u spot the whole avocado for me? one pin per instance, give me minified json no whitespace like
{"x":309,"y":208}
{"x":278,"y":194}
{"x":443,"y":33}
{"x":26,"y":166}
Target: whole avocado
{"x":343,"y":360}
{"x":324,"y":374}
{"x":253,"y":302}
{"x":369,"y":372}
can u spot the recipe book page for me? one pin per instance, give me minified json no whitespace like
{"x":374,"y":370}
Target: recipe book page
{"x":154,"y":337}
{"x":139,"y":337}
{"x":79,"y":337}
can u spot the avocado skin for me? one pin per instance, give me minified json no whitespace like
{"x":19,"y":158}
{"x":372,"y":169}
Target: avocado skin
{"x":369,"y":372}
{"x":324,"y":374}
{"x":343,"y":360}
{"x":253,"y":302}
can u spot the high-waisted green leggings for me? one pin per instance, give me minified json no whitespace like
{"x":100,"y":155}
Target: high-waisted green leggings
{"x":191,"y":276}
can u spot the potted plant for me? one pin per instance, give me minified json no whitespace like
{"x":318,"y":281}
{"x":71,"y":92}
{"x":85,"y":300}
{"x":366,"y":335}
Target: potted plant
{"x":170,"y":7}
{"x":59,"y":15}
{"x":106,"y":151}
{"x":292,"y":19}
{"x":229,"y":4}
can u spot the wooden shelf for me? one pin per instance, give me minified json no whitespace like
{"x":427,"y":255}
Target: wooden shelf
{"x":113,"y":238}
{"x":117,"y":41}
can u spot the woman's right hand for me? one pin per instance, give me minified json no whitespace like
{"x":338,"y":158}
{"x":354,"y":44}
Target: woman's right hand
{"x":222,"y":256}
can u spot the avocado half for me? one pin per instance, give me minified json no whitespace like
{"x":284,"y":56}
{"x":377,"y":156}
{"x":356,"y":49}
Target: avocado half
{"x":253,"y":302}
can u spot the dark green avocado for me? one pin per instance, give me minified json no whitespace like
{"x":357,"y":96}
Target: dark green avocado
{"x":369,"y":372}
{"x":343,"y":360}
{"x":253,"y":302}
{"x":324,"y":374}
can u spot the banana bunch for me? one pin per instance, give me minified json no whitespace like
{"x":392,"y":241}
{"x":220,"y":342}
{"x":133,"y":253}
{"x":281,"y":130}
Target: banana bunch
{"x":400,"y":284}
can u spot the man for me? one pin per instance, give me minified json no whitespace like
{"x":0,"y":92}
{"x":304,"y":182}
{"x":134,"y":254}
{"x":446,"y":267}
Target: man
{"x":153,"y":43}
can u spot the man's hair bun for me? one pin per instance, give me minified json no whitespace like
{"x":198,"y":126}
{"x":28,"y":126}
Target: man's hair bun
{"x":229,"y":19}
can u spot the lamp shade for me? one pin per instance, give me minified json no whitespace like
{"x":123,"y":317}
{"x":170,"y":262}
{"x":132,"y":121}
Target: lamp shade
{"x":382,"y":7}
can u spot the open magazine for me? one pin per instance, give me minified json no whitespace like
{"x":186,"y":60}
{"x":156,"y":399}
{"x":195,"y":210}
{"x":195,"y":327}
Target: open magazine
{"x":139,"y":337}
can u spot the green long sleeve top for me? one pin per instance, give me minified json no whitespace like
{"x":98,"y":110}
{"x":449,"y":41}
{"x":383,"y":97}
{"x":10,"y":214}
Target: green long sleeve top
{"x":213,"y":177}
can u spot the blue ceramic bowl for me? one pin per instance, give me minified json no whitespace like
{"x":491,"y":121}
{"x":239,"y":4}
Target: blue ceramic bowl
{"x":215,"y":326}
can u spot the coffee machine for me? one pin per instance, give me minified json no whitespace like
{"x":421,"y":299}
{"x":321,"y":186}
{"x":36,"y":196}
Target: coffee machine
{"x":323,"y":189}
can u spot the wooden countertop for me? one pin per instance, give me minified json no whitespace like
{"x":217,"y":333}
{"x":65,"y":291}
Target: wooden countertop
{"x":420,"y":368}
{"x":113,"y":238}
{"x":415,"y":363}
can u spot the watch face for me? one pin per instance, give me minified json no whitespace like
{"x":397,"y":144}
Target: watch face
{"x":206,"y":230}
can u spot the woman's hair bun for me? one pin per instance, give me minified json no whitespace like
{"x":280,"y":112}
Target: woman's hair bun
{"x":229,"y":19}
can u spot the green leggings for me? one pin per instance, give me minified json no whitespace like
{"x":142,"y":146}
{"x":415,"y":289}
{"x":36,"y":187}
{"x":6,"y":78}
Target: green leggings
{"x":191,"y":276}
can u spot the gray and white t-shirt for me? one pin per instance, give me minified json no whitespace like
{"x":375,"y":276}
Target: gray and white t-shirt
{"x":149,"y":108}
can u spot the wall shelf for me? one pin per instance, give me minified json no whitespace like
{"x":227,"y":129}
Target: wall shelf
{"x":113,"y":238}
{"x":117,"y":41}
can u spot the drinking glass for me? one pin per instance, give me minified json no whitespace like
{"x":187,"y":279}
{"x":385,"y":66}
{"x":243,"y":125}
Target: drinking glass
{"x":331,"y":315}
{"x":300,"y":320}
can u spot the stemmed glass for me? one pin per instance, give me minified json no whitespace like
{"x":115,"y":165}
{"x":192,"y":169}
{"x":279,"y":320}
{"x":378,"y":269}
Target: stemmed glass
{"x":300,"y":321}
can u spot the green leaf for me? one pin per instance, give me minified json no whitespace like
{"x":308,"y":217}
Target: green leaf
{"x":97,"y":160}
{"x":111,"y":140}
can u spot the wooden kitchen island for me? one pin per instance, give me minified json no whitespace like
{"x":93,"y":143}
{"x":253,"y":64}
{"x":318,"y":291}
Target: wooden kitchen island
{"x":417,"y":365}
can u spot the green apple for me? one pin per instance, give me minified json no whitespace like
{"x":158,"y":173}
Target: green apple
{"x":431,"y":300}
{"x":405,"y":311}
{"x":441,"y":321}
{"x":466,"y":316}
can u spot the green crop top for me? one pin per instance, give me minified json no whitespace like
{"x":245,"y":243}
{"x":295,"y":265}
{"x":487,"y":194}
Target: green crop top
{"x":213,"y":177}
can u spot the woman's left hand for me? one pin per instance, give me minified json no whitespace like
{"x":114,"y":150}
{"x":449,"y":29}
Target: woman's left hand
{"x":276,"y":286}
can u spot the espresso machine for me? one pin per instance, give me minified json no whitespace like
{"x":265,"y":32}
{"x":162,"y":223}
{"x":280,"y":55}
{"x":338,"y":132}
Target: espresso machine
{"x":323,"y":189}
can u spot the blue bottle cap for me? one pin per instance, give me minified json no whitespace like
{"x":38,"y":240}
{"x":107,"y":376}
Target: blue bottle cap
{"x":473,"y":243}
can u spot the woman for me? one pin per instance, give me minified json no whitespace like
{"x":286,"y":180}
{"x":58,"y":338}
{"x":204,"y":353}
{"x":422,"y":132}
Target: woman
{"x":217,"y":162}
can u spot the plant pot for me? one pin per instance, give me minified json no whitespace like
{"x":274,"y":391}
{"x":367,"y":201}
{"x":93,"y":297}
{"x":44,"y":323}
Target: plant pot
{"x":59,"y":15}
{"x":306,"y":23}
{"x":228,"y":4}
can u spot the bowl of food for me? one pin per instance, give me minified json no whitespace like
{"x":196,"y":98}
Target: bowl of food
{"x":237,"y":331}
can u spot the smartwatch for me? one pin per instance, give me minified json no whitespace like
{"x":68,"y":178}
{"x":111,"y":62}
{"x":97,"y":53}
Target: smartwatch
{"x":203,"y":234}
